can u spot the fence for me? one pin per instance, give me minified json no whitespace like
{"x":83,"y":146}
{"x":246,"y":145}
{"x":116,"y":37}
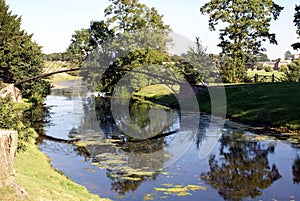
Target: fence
{"x":265,"y":78}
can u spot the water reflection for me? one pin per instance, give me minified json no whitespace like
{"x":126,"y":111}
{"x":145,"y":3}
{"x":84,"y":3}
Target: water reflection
{"x":242,"y":168}
{"x":128,"y":161}
{"x":296,"y":170}
{"x":109,"y":163}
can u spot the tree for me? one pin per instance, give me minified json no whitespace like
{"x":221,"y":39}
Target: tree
{"x":197,"y":66}
{"x":260,"y":57}
{"x":293,"y":73}
{"x":296,"y":46}
{"x":288,"y":55}
{"x":245,"y":25}
{"x":20,"y":58}
{"x":85,"y":41}
{"x":131,"y":15}
{"x":132,"y":36}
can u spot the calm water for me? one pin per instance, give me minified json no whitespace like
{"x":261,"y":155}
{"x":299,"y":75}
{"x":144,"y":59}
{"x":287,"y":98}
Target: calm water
{"x":234,"y":162}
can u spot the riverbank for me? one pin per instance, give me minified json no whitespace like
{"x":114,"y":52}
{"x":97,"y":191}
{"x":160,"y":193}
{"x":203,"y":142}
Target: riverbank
{"x":270,"y":105}
{"x":34,"y":173}
{"x":41,"y":181}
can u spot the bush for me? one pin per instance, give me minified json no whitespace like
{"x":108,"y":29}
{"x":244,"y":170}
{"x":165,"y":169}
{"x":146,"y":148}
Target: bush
{"x":293,"y":73}
{"x":269,"y":69}
{"x":260,"y":66}
{"x":283,"y":68}
{"x":9,"y":119}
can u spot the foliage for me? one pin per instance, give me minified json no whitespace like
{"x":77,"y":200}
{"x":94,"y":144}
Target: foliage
{"x":293,"y":73}
{"x":232,"y":71}
{"x":133,"y":35}
{"x":283,"y":68}
{"x":20,"y":58}
{"x":131,"y":15}
{"x":288,"y":55}
{"x":143,"y":59}
{"x":58,"y":56}
{"x":259,"y":66}
{"x":197,"y":66}
{"x":296,"y":46}
{"x":260,"y":57}
{"x":10,"y":119}
{"x":269,"y":69}
{"x":247,"y":25}
{"x":84,"y":41}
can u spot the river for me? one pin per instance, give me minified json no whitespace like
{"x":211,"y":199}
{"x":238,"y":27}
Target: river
{"x":213,"y":162}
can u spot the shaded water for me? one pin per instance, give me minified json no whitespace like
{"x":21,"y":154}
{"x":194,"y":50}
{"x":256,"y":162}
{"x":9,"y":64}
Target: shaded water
{"x":235,"y":162}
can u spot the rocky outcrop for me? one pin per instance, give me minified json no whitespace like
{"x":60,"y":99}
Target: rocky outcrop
{"x":8,"y":148}
{"x":10,"y":89}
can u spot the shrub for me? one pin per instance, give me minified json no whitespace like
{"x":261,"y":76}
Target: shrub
{"x":260,"y":66}
{"x":10,"y":119}
{"x":269,"y":69}
{"x":283,"y":68}
{"x":293,"y":73}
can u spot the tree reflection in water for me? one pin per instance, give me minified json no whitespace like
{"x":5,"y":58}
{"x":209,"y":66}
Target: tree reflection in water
{"x":242,"y":169}
{"x":296,"y":170}
{"x":128,"y":161}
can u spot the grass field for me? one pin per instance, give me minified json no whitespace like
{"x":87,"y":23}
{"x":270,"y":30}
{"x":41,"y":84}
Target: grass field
{"x":267,"y":104}
{"x":264,"y":104}
{"x":264,"y":76}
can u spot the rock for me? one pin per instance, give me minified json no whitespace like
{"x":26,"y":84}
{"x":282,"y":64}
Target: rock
{"x":14,"y":92}
{"x":8,"y":148}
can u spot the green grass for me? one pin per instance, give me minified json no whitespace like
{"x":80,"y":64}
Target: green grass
{"x":263,"y":104}
{"x":7,"y":194}
{"x":35,"y":174}
{"x":267,"y":104}
{"x":159,"y":93}
{"x":262,"y":74}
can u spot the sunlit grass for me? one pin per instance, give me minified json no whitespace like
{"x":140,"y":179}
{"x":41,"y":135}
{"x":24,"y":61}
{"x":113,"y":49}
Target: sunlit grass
{"x":35,"y":174}
{"x":265,"y":104}
{"x":266,"y":76}
{"x":160,"y":93}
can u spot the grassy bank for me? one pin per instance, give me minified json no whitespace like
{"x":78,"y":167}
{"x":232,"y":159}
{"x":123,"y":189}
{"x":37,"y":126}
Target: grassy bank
{"x":273,"y":105}
{"x":35,"y":174}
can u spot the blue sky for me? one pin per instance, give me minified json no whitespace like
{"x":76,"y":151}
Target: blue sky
{"x":54,"y":21}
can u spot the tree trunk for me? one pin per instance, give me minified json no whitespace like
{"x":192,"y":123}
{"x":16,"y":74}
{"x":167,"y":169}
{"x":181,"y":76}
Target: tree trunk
{"x":8,"y":148}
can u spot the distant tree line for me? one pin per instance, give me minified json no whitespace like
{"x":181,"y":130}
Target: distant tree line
{"x":60,"y":56}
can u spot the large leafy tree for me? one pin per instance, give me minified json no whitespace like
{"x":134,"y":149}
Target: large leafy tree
{"x":245,"y":25}
{"x":141,"y":39}
{"x":296,"y":46}
{"x":130,"y":15}
{"x":133,"y":35}
{"x":87,"y":40}
{"x":20,"y":57}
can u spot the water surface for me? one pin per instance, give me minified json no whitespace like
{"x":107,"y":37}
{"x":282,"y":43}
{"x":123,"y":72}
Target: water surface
{"x":234,"y":162}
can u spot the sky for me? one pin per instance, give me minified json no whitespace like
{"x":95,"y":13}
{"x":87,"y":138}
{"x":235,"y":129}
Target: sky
{"x":52,"y":22}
